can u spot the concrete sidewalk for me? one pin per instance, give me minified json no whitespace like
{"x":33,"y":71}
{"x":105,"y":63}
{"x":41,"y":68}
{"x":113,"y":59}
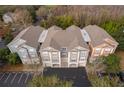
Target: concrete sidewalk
{"x":21,"y":67}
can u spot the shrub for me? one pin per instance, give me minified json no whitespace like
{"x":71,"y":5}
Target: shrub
{"x":49,"y":81}
{"x":13,"y":59}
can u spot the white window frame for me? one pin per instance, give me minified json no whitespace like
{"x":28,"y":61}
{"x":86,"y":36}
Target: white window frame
{"x":55,"y":57}
{"x":73,"y":56}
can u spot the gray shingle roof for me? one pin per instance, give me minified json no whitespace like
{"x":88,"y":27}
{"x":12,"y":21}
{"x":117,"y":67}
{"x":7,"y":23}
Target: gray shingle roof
{"x":97,"y":35}
{"x":70,"y":38}
{"x":32,"y":35}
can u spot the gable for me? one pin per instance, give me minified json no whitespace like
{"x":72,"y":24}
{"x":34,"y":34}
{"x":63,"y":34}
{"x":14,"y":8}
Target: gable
{"x":80,"y":48}
{"x":104,"y":45}
{"x":48,"y":49}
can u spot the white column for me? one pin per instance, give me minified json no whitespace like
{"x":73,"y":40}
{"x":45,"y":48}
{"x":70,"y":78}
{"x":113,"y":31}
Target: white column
{"x":78,"y":57}
{"x":102,"y":51}
{"x":50,"y":58}
{"x":68,"y":59}
{"x":59,"y":59}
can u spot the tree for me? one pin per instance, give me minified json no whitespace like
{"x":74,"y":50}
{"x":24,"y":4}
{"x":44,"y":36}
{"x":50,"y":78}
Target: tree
{"x":23,"y":16}
{"x":64,"y":21}
{"x":8,"y":37}
{"x":13,"y":58}
{"x":112,"y":63}
{"x":3,"y":53}
{"x":49,"y":81}
{"x":116,"y":30}
{"x":104,"y":81}
{"x":42,"y":12}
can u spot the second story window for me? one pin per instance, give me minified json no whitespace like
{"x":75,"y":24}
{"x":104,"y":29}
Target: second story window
{"x":45,"y":56}
{"x":73,"y":56}
{"x":97,"y":51}
{"x":64,"y":52}
{"x":82,"y":56}
{"x":55,"y":57}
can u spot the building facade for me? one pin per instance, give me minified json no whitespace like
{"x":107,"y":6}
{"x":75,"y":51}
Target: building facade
{"x":55,"y":47}
{"x":26,"y":45}
{"x":100,"y":43}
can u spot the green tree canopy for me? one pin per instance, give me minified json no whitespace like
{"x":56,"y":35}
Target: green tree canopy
{"x":3,"y":53}
{"x":8,"y":37}
{"x":116,"y":30}
{"x":64,"y":21}
{"x":104,"y":81}
{"x":13,"y":58}
{"x":112,"y":63}
{"x":49,"y":81}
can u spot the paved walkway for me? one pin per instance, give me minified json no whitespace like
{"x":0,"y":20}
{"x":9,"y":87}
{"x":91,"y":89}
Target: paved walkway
{"x":21,"y":67}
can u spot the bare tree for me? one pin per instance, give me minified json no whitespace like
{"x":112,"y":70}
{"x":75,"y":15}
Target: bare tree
{"x":22,"y":16}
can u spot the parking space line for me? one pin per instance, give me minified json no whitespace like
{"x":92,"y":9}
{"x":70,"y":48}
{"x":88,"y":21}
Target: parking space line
{"x":13,"y":78}
{"x":7,"y":78}
{"x":20,"y":78}
{"x":27,"y":78}
{"x":2,"y":76}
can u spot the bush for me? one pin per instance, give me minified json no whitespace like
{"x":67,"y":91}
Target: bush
{"x":64,"y":21}
{"x":13,"y":59}
{"x":3,"y":53}
{"x":115,"y":29}
{"x":112,"y":63}
{"x":49,"y":81}
{"x":104,"y":81}
{"x":8,"y":37}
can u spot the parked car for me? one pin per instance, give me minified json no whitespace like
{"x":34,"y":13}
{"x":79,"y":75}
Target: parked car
{"x":121,"y":74}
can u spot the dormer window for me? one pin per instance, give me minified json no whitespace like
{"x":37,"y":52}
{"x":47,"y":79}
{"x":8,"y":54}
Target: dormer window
{"x":63,"y":49}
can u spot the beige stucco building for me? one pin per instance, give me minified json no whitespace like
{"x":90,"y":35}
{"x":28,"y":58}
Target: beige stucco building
{"x":55,"y":47}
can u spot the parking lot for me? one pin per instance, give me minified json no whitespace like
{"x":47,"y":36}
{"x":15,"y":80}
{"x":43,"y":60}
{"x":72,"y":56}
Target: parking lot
{"x":20,"y":79}
{"x":15,"y":79}
{"x":77,"y":75}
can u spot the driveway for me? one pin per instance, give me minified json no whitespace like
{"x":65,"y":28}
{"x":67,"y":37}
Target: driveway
{"x":77,"y":75}
{"x":15,"y":79}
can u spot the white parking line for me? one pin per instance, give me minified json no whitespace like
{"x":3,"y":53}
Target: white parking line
{"x":2,"y":76}
{"x":20,"y":78}
{"x":27,"y":77}
{"x":7,"y":78}
{"x":13,"y":78}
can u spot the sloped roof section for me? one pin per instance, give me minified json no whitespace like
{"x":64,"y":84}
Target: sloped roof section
{"x":70,"y":38}
{"x":51,"y":31}
{"x":98,"y":35}
{"x":32,"y":35}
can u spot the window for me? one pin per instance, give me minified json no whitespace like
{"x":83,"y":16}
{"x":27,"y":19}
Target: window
{"x":64,"y":52}
{"x":31,"y":50}
{"x":97,"y":51}
{"x":55,"y":57}
{"x":24,"y":56}
{"x":82,"y":56}
{"x":46,"y":56}
{"x":63,"y":49}
{"x":33,"y":55}
{"x":46,"y":59}
{"x":107,"y":50}
{"x":73,"y":56}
